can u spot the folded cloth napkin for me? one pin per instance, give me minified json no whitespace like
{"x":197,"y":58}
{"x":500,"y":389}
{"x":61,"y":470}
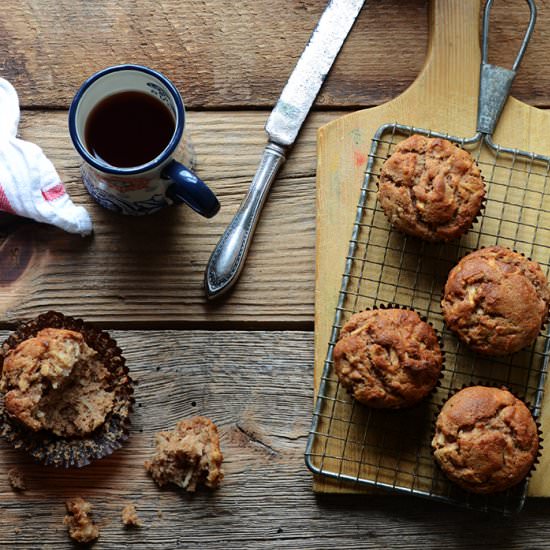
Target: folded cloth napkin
{"x":29,"y":183}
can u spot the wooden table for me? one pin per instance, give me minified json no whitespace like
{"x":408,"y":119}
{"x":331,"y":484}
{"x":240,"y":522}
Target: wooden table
{"x":245,"y":361}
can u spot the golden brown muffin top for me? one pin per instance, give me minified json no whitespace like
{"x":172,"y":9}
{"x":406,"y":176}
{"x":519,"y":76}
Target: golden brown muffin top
{"x":430,"y":188}
{"x":496,"y":300}
{"x":388,"y":358}
{"x":485,"y":440}
{"x":55,"y":382}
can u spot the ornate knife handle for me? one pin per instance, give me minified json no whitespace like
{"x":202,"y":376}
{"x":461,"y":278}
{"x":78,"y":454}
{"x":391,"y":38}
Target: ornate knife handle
{"x":227,"y":259}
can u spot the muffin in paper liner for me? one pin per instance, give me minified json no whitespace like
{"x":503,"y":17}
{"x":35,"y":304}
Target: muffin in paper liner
{"x":490,"y":351}
{"x":535,"y":460}
{"x":419,"y":229}
{"x":54,"y":450}
{"x":407,"y":402}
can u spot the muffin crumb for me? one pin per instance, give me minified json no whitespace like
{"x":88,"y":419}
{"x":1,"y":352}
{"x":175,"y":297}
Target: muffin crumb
{"x":188,"y":456}
{"x":16,"y":479}
{"x":80,"y":525}
{"x":130,"y":517}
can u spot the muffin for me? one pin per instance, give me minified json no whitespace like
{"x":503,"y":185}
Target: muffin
{"x":496,"y":300}
{"x":485,"y":439}
{"x":388,"y":358}
{"x":188,"y":456}
{"x":66,"y":391}
{"x":431,"y":189}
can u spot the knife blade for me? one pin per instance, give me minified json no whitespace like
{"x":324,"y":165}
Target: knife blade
{"x":282,"y":127}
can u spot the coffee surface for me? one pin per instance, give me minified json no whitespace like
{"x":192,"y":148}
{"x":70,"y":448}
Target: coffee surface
{"x":128,"y":129}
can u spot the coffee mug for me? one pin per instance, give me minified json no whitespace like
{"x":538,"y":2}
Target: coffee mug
{"x":127,"y":122}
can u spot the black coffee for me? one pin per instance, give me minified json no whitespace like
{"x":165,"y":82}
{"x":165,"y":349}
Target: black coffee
{"x":128,"y":129}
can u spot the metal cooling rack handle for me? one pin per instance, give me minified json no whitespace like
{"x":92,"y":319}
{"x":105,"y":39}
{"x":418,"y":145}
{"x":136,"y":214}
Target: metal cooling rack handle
{"x":495,"y":82}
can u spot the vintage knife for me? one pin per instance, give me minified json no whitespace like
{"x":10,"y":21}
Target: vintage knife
{"x":283,"y":125}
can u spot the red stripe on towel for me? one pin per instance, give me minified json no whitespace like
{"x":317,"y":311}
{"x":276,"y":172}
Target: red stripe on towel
{"x":4,"y":202}
{"x":54,"y":192}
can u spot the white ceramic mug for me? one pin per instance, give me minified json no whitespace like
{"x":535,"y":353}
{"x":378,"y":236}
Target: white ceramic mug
{"x":161,"y":181}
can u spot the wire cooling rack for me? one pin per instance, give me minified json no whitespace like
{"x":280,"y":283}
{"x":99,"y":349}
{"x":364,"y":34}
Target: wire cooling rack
{"x":391,"y":449}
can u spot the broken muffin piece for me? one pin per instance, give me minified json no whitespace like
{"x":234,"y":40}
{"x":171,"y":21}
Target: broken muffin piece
{"x":55,"y":381}
{"x":66,"y":394}
{"x":188,"y":456}
{"x":130,"y":517}
{"x":80,"y":525}
{"x":16,"y":479}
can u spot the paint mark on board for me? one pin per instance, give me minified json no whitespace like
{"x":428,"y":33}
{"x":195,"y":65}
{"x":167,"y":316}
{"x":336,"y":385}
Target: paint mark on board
{"x":359,"y":159}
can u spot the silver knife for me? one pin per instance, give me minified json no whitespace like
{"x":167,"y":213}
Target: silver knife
{"x":282,"y":127}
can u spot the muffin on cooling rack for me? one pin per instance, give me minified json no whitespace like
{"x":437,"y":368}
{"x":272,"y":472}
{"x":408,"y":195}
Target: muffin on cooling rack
{"x":431,"y":189}
{"x":388,"y":358}
{"x":485,"y":440}
{"x":66,"y":391}
{"x":496,"y":300}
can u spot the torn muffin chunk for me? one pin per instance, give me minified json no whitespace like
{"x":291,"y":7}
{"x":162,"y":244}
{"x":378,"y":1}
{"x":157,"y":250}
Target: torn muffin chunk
{"x":188,"y":456}
{"x":130,"y":517}
{"x":80,"y":525}
{"x":55,"y":381}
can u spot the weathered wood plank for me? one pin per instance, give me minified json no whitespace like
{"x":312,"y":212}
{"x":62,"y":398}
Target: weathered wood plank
{"x":257,"y":387}
{"x":216,"y":52}
{"x":151,"y":269}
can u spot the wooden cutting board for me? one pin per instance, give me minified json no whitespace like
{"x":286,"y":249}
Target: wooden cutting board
{"x":443,"y":97}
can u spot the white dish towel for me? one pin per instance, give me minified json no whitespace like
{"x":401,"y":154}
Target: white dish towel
{"x":29,"y":183}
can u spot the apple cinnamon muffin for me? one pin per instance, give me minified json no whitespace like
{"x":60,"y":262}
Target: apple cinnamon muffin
{"x":431,"y":189}
{"x":496,"y":300}
{"x":188,"y":456}
{"x":388,"y":358}
{"x":66,"y":391}
{"x":486,"y":440}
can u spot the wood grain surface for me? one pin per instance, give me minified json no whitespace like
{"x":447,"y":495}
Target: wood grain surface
{"x":217,"y":52}
{"x":443,"y":98}
{"x":150,"y":269}
{"x":230,"y":60}
{"x":261,"y":402}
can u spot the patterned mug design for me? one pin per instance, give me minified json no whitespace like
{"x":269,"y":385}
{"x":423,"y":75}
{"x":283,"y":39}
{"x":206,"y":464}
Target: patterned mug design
{"x":147,"y":188}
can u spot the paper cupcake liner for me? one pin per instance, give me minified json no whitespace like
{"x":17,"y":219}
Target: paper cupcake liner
{"x":536,"y":460}
{"x":58,"y":451}
{"x":435,"y":387}
{"x":465,"y":230}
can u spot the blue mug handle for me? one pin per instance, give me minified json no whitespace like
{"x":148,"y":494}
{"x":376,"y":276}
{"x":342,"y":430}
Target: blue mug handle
{"x":190,"y":189}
